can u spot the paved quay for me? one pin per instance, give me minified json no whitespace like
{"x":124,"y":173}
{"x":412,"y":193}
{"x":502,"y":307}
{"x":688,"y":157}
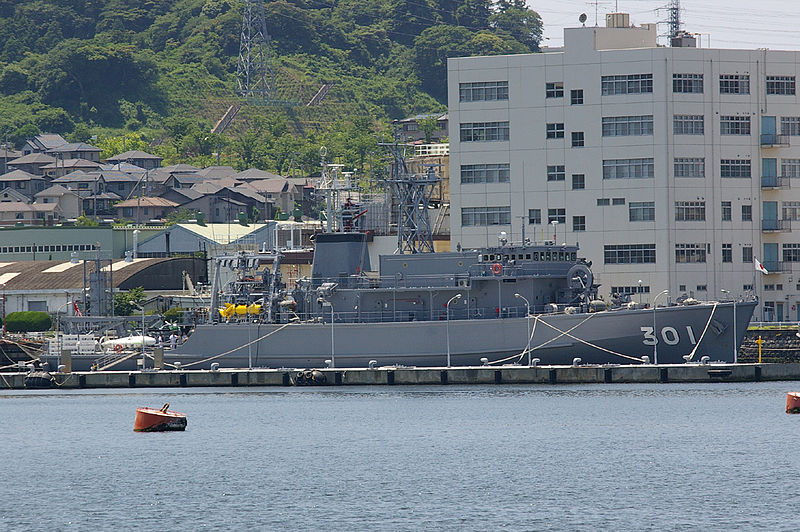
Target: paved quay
{"x":399,"y":376}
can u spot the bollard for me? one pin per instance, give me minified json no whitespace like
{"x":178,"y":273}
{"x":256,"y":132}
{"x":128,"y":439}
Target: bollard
{"x":158,"y":358}
{"x":66,"y":361}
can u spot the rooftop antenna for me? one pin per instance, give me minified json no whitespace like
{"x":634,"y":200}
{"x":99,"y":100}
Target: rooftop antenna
{"x":596,"y":4}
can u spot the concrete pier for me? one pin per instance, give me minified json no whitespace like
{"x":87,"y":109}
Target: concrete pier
{"x":403,"y":376}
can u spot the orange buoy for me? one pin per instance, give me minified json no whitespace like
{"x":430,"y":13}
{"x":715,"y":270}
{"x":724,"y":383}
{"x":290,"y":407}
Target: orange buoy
{"x":793,"y":403}
{"x":153,"y":420}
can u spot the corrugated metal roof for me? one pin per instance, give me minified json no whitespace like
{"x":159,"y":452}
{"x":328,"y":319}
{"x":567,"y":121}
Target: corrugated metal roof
{"x":30,"y":275}
{"x":222,"y":233}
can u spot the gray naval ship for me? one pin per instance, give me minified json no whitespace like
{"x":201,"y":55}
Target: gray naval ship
{"x":510,"y":304}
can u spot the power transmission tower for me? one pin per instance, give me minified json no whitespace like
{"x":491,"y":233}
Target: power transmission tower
{"x":673,"y":21}
{"x":255,"y":75}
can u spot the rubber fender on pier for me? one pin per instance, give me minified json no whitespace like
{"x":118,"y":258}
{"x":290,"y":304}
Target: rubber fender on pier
{"x":39,"y":379}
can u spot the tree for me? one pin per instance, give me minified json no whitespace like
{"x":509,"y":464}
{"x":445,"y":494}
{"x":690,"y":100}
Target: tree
{"x":125,"y":303}
{"x":85,"y":221}
{"x":28,"y":321}
{"x":428,"y":125}
{"x":518,"y":21}
{"x":431,"y":50}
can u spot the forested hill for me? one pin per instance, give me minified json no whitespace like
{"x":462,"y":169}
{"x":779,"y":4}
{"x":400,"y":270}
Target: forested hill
{"x":162,"y":72}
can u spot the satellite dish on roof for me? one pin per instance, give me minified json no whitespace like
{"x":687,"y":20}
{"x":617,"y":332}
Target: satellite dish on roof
{"x":582,"y":18}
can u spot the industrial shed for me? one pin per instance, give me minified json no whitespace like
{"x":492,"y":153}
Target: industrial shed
{"x":52,"y":286}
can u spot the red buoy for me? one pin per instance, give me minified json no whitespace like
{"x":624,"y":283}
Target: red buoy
{"x":152,"y":420}
{"x":793,"y":403}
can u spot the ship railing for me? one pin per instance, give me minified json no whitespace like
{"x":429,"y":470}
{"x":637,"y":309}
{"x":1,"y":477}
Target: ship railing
{"x":483,"y":270}
{"x":407,"y":315}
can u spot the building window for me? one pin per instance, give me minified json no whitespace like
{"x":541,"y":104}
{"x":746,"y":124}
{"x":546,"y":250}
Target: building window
{"x":555,"y":172}
{"x":483,"y":91}
{"x":127,"y":211}
{"x":734,"y":125}
{"x":747,"y":254}
{"x":727,"y":252}
{"x":484,"y":131}
{"x":790,"y":125}
{"x":83,"y":186}
{"x":791,"y":210}
{"x":578,"y":181}
{"x":689,"y":167}
{"x":734,"y":84}
{"x":481,"y":216}
{"x":790,"y":167}
{"x":791,"y":252}
{"x":642,"y":211}
{"x":691,"y":83}
{"x":485,"y":173}
{"x":576,"y":97}
{"x":747,"y":213}
{"x":628,"y":168}
{"x":781,"y":85}
{"x":557,"y":215}
{"x":617,"y":201}
{"x":690,"y":211}
{"x":624,"y":126}
{"x":629,"y":254}
{"x":535,"y":216}
{"x":727,"y":211}
{"x":690,"y":253}
{"x":630,"y":84}
{"x":603,"y":202}
{"x":555,"y":131}
{"x":579,"y":223}
{"x":577,"y":139}
{"x":734,"y":168}
{"x":688,"y":125}
{"x":554,"y":89}
{"x":702,"y":288}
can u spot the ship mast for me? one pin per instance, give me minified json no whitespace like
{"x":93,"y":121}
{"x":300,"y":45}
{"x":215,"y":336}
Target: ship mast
{"x":413,"y":192}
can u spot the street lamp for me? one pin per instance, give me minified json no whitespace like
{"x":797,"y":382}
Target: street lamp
{"x":554,"y":223}
{"x":734,"y":324}
{"x":59,"y":336}
{"x":447,"y":308}
{"x":326,"y":303}
{"x":528,"y":321}
{"x":3,"y":324}
{"x":640,"y":292}
{"x":655,"y":334}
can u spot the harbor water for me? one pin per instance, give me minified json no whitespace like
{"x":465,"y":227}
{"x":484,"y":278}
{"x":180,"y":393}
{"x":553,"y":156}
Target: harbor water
{"x":591,"y":457}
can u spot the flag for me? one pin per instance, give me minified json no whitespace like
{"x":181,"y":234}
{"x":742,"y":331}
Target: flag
{"x":759,"y":267}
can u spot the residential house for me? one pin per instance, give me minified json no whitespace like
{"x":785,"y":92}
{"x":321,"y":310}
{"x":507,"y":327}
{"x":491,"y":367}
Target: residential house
{"x":23,"y":182}
{"x":63,"y":167}
{"x":76,"y":150}
{"x":7,"y":154}
{"x":277,"y":190}
{"x":31,"y":163}
{"x":145,"y":208}
{"x":411,"y":130}
{"x":42,"y":143}
{"x":100,"y":204}
{"x":139,"y":158}
{"x":9,"y":194}
{"x":14,"y":212}
{"x":68,"y":201}
{"x":124,"y":184}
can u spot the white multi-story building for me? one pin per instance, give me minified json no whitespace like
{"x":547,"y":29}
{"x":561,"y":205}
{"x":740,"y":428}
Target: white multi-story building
{"x":672,"y":167}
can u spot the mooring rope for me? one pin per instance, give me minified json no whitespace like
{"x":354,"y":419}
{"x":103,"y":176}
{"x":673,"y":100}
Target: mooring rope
{"x":691,"y":355}
{"x":232,"y":350}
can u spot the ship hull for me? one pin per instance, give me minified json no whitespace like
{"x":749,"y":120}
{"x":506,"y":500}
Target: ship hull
{"x":609,"y":337}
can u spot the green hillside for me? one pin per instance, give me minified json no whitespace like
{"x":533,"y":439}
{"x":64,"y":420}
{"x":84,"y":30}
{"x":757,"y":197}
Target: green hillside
{"x":162,"y":72}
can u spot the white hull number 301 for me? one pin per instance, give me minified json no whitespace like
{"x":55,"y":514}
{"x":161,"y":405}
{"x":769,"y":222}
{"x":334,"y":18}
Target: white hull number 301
{"x":668,"y":334}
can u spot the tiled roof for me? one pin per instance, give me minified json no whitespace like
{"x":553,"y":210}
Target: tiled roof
{"x":18,"y":175}
{"x":133,"y":154}
{"x":32,"y":158}
{"x":146,"y":201}
{"x":75,"y":146}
